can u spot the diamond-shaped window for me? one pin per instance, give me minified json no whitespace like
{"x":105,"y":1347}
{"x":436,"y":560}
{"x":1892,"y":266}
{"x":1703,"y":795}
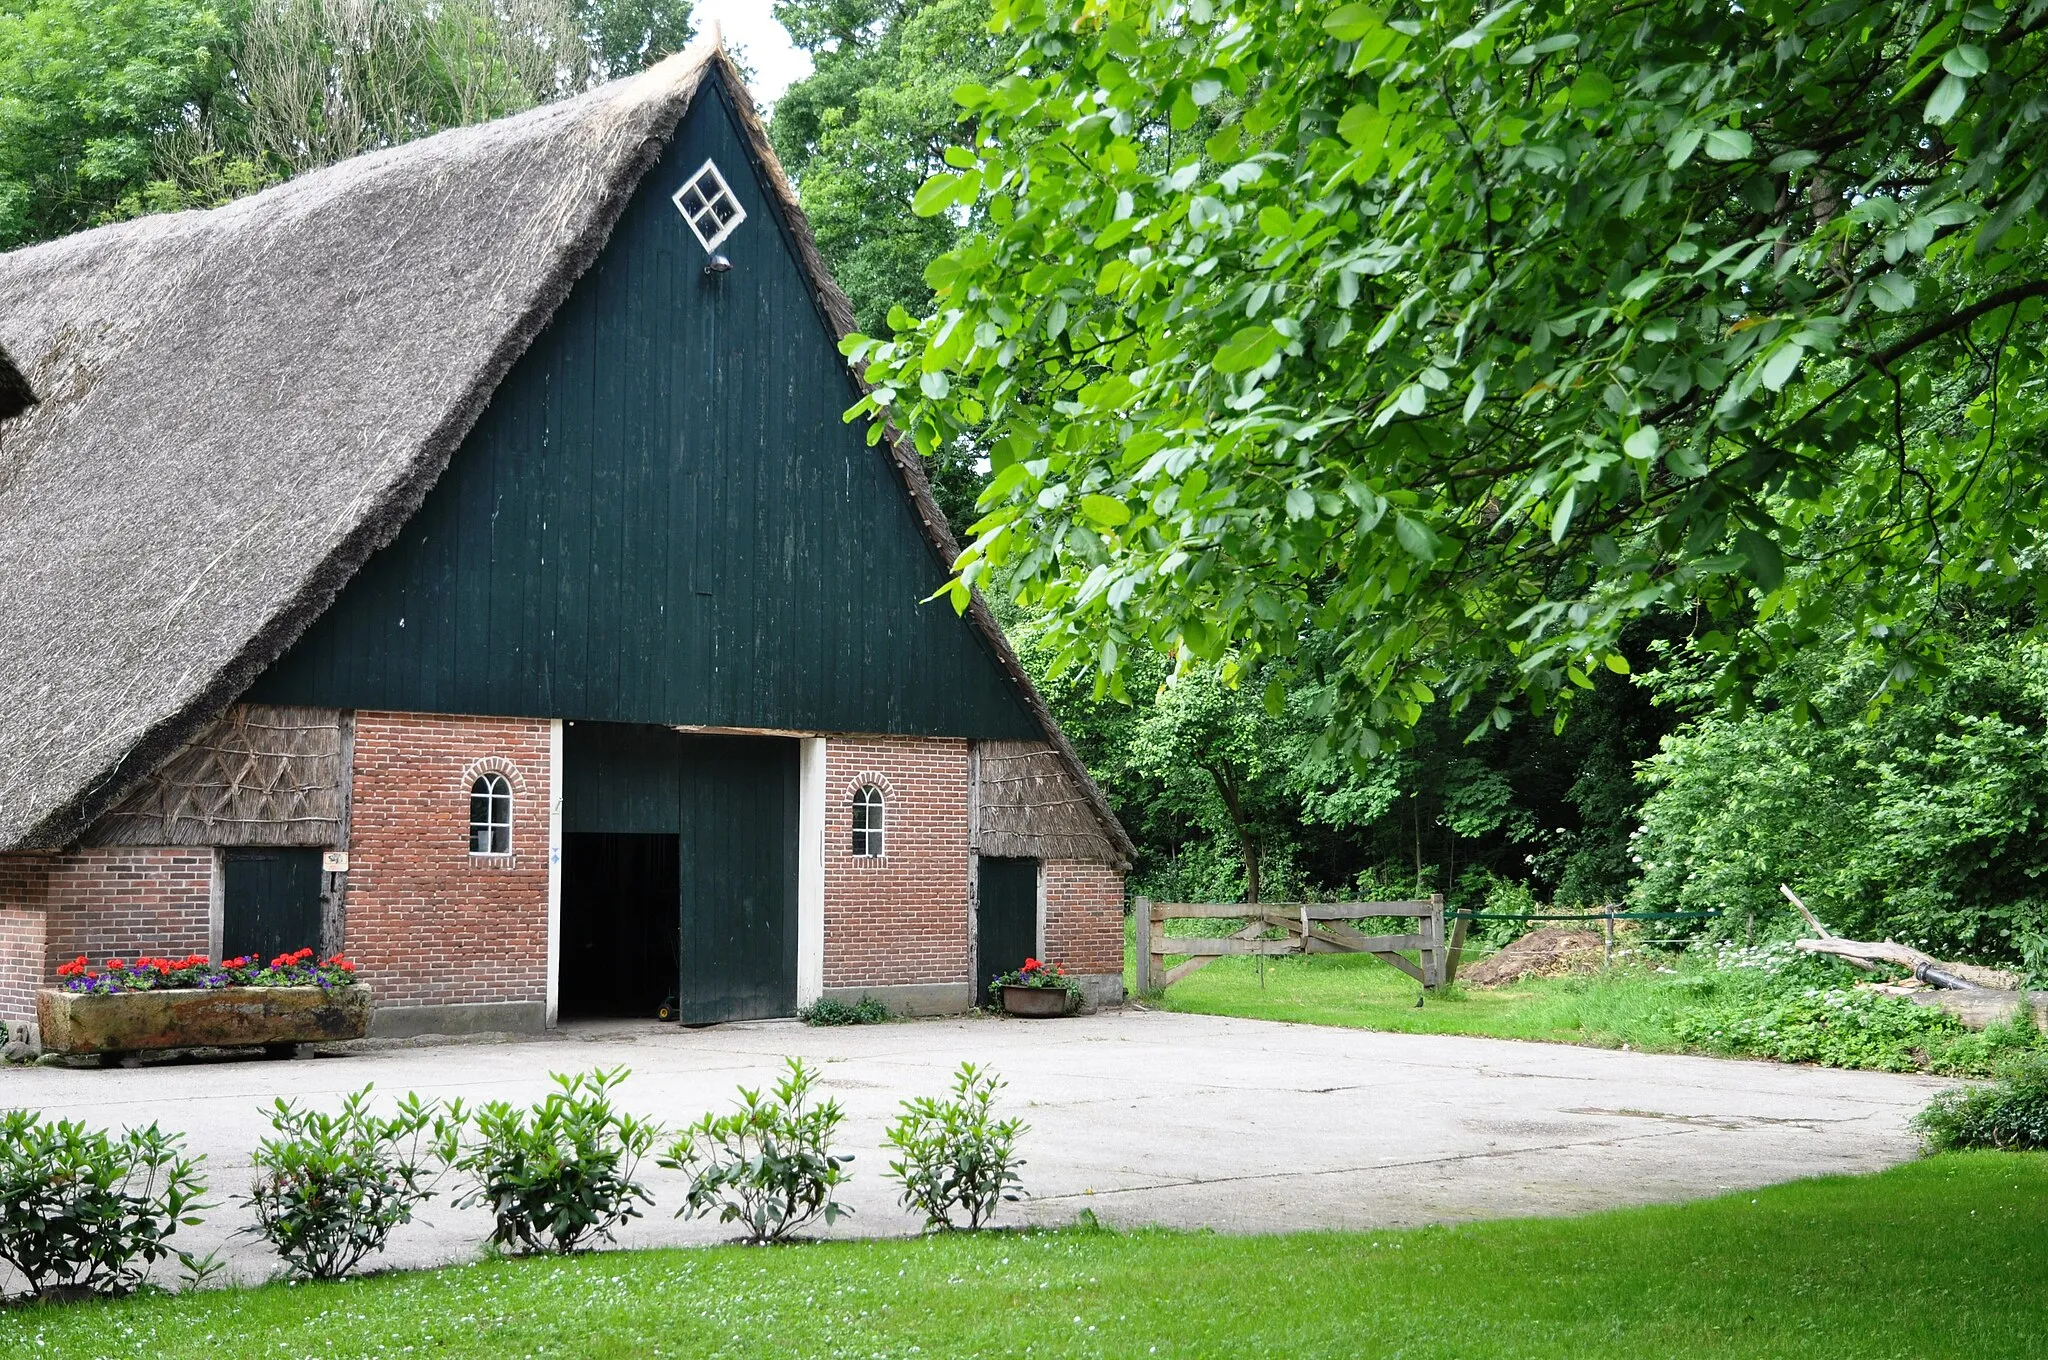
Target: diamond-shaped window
{"x":707,"y":204}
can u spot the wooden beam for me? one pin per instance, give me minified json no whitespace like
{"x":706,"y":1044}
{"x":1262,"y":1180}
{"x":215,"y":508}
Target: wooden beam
{"x":1317,"y":911}
{"x":1180,"y":971}
{"x":1397,"y":961}
{"x":1197,"y":946}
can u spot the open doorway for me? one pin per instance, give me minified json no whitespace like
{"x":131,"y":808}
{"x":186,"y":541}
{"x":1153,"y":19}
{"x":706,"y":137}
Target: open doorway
{"x":621,"y":921}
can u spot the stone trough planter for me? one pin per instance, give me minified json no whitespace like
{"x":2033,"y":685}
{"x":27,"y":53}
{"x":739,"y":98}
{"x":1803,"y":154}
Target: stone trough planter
{"x":276,"y":1018}
{"x":1036,"y":1003}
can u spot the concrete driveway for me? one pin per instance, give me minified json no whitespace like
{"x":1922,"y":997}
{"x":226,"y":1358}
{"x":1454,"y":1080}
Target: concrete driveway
{"x":1143,"y":1117}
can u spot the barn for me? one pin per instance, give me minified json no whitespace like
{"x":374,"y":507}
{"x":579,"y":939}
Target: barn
{"x":458,"y":557}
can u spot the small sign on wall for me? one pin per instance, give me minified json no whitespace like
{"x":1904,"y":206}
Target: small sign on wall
{"x":334,"y":862}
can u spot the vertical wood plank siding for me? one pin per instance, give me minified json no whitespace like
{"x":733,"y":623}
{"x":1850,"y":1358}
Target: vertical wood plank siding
{"x":662,"y":518}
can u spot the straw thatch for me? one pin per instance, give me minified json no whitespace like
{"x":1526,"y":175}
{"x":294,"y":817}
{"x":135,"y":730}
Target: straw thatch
{"x":262,"y":775}
{"x":239,"y":406}
{"x":1031,"y":808}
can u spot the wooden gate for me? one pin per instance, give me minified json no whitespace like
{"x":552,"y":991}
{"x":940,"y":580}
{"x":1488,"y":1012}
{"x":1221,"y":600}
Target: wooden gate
{"x":1306,"y":928}
{"x":270,"y":902}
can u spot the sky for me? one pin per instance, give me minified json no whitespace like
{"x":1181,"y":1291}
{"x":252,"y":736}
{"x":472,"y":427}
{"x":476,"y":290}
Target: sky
{"x":751,"y":30}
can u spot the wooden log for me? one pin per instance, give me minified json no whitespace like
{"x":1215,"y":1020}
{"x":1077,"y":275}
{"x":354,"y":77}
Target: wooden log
{"x":1959,"y":976}
{"x":1811,"y":919}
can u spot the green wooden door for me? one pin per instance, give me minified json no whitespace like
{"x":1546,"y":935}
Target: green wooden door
{"x":1006,"y":933}
{"x":731,"y":804}
{"x":739,"y":817}
{"x":270,"y":902}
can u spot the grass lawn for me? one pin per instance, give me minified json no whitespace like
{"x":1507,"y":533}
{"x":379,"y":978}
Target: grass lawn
{"x":1607,"y":1009}
{"x":1945,"y":1257}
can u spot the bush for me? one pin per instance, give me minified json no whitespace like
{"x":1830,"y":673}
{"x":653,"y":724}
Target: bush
{"x":827,"y":1011}
{"x":556,"y":1175}
{"x":768,"y":1165}
{"x":330,"y":1188}
{"x":83,"y":1211}
{"x":956,"y":1155}
{"x":2013,"y":1114}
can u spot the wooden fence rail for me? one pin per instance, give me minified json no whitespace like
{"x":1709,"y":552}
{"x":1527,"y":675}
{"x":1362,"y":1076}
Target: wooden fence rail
{"x":1308,"y":928}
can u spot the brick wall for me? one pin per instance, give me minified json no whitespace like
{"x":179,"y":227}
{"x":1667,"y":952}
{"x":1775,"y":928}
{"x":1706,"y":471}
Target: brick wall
{"x":24,"y":956}
{"x":901,"y":918}
{"x":109,"y":903}
{"x":426,"y":922}
{"x":1084,"y":917}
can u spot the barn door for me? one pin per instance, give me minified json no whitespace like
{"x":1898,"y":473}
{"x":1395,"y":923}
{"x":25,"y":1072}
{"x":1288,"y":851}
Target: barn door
{"x":270,"y":902}
{"x":738,"y":811}
{"x":1007,"y":933}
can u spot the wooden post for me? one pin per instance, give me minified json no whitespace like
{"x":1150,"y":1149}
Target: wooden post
{"x":1607,"y":947}
{"x":1433,"y":952}
{"x":1155,"y":970}
{"x":1141,"y":943}
{"x":1456,"y":953}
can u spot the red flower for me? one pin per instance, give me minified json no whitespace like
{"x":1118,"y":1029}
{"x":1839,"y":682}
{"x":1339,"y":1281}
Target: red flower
{"x":1031,"y":965}
{"x":115,"y":963}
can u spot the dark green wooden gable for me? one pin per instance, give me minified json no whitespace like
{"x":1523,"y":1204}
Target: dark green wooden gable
{"x":662,"y":518}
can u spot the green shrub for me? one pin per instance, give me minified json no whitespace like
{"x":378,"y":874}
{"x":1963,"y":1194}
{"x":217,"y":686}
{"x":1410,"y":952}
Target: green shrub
{"x":2012,"y":1114}
{"x":557,"y":1175}
{"x":955,"y":1154}
{"x":828,"y":1011}
{"x":83,"y":1211}
{"x":330,"y":1188}
{"x":767,"y":1166}
{"x":1772,"y":1001}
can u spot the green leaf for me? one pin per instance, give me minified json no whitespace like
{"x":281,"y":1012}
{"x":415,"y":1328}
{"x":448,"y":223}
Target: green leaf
{"x":1591,"y":90}
{"x":1418,"y":538}
{"x":1966,"y":61}
{"x":1642,"y":444}
{"x":1766,"y":563}
{"x":1783,"y":363}
{"x":1105,"y":510}
{"x":1617,"y":663}
{"x":1349,"y":23}
{"x":935,"y":385}
{"x":1947,"y":99}
{"x":1247,"y":349}
{"x":935,"y":195}
{"x":1683,"y":143}
{"x":1300,"y":504}
{"x":1892,"y":292}
{"x":1729,"y":144}
{"x":1362,"y":123}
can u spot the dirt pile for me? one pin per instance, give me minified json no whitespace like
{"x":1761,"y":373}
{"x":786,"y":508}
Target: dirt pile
{"x":1551,"y":951}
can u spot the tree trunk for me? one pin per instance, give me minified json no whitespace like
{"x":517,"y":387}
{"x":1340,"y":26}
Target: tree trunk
{"x":1247,"y":842}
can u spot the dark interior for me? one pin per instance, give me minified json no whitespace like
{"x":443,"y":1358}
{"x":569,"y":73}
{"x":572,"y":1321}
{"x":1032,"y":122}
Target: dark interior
{"x":621,"y":921}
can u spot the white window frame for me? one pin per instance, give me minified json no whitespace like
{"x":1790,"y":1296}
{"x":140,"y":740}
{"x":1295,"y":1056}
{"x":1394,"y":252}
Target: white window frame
{"x":870,"y":841}
{"x":497,"y":791}
{"x":719,"y":192}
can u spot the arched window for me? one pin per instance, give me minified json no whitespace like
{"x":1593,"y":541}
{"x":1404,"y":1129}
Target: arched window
{"x":490,"y":815}
{"x":867,"y":821}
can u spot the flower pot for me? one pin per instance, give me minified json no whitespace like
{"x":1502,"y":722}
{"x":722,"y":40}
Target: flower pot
{"x":1035,"y":1003}
{"x":222,"y":1017}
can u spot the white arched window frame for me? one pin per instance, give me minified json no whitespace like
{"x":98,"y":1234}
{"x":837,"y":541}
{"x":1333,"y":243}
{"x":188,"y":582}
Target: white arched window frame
{"x":869,"y":813}
{"x":490,"y":814}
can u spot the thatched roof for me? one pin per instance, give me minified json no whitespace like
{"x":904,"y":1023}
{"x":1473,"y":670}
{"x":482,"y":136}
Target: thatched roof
{"x":237,"y":407}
